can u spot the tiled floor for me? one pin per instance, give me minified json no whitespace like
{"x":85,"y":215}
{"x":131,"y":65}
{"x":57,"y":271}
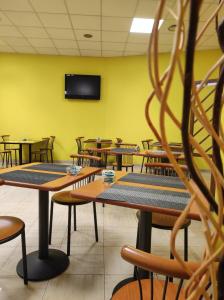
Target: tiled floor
{"x":95,"y":268}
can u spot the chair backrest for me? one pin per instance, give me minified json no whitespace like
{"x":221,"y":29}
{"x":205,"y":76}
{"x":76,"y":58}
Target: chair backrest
{"x":44,"y":143}
{"x":5,"y":138}
{"x":146,"y":144}
{"x":79,"y":142}
{"x":51,"y":142}
{"x":85,"y":160}
{"x":119,"y":140}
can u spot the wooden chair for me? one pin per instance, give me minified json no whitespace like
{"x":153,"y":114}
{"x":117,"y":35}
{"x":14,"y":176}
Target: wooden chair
{"x":153,"y":288}
{"x":50,"y":148}
{"x":6,"y":156}
{"x":42,"y":151}
{"x":146,"y":146}
{"x":10,"y":228}
{"x":127,"y":160}
{"x":64,"y":198}
{"x":8,"y":149}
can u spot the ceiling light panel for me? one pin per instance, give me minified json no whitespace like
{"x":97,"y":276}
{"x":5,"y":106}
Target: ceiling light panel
{"x":142,"y":25}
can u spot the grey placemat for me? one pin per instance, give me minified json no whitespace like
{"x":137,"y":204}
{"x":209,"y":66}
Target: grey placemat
{"x":145,"y":196}
{"x":169,"y":181}
{"x":123,"y":150}
{"x":49,"y":167}
{"x":29,"y":177}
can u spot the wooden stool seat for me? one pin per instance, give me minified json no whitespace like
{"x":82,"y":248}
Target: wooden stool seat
{"x":130,"y":291}
{"x":65,"y":198}
{"x":165,"y":221}
{"x":10,"y":227}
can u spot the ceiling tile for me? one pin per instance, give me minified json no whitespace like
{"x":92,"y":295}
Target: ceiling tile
{"x":15,"y":41}
{"x":90,"y":53}
{"x":24,"y":49}
{"x":58,"y":33}
{"x":84,"y":7}
{"x":23,"y":18}
{"x":9,"y":31}
{"x":146,"y":9}
{"x":3,"y":43}
{"x":4,"y":20}
{"x":86,"y":22}
{"x":65,"y":44}
{"x":41,"y":43}
{"x":55,"y":20}
{"x":43,"y":50}
{"x":111,"y":53}
{"x":89,"y":45}
{"x":18,"y":5}
{"x":69,"y":52}
{"x":209,"y":30}
{"x":96,"y":35}
{"x":116,"y":23}
{"x":112,"y":46}
{"x":49,"y":6}
{"x":138,"y":37}
{"x":113,"y":36}
{"x":6,"y":49}
{"x":33,"y":32}
{"x":136,"y":47}
{"x":118,"y":8}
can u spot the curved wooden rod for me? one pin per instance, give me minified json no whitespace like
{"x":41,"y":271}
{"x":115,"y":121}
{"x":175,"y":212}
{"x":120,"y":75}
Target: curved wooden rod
{"x":157,"y":264}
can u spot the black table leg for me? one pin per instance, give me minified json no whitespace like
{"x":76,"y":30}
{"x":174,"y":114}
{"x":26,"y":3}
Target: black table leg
{"x":143,"y":243}
{"x":30,"y":153}
{"x":45,"y":263}
{"x":20,"y":154}
{"x":119,"y":162}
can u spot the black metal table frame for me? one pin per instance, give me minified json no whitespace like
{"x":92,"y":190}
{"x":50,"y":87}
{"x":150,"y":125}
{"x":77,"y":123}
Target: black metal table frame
{"x":45,"y":263}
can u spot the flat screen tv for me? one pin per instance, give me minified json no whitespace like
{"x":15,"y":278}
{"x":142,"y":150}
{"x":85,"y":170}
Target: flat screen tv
{"x":82,"y":86}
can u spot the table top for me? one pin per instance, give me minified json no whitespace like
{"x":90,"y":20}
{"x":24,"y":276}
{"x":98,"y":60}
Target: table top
{"x":63,"y":180}
{"x":21,"y":141}
{"x":92,"y":190}
{"x":147,"y":153}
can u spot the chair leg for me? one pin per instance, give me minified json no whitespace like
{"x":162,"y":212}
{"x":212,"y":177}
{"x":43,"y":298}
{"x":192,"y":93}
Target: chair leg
{"x":10,"y":158}
{"x":23,"y":240}
{"x":69,"y":229}
{"x":132,"y":169}
{"x":142,"y":164}
{"x":51,"y":156}
{"x":51,"y":221}
{"x":186,"y":244}
{"x":95,"y":221}
{"x":75,"y":227}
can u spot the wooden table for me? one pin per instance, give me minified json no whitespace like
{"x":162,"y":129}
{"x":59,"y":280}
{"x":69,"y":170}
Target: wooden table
{"x":45,"y":263}
{"x":93,"y":190}
{"x":21,"y":143}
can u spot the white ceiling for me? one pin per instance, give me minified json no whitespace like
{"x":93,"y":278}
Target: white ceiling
{"x":56,"y":27}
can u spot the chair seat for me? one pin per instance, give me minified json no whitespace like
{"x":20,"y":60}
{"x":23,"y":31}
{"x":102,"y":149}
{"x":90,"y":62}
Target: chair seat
{"x":10,"y":227}
{"x":130,"y":291}
{"x":65,"y":198}
{"x":164,"y":221}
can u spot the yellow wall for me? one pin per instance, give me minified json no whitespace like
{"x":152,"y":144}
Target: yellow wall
{"x":33,"y":104}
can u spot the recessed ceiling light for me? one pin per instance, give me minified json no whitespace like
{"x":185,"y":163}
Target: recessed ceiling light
{"x":88,"y":35}
{"x":143,"y":25}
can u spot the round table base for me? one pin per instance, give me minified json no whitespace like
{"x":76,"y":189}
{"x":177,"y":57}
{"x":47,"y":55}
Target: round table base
{"x":44,"y":269}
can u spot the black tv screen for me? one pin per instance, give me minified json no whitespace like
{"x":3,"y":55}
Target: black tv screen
{"x":82,"y":86}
